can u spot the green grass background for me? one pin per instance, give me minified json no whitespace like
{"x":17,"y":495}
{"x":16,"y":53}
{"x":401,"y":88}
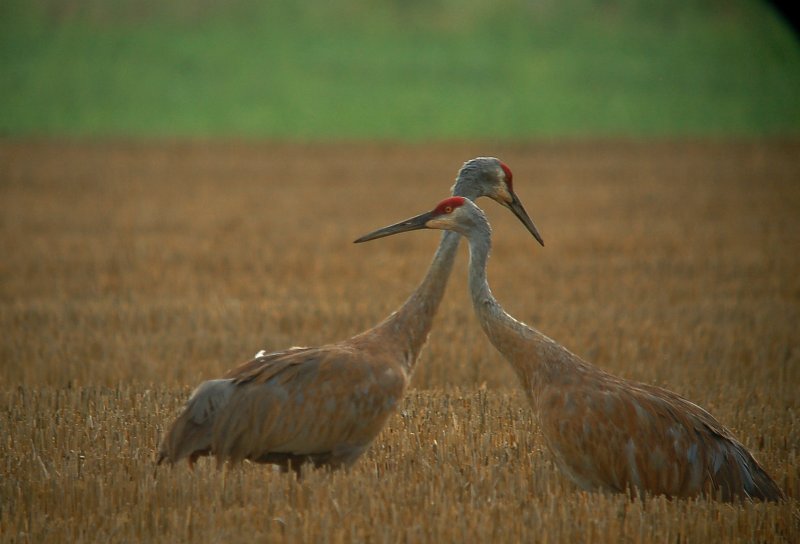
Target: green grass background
{"x":396,"y":70}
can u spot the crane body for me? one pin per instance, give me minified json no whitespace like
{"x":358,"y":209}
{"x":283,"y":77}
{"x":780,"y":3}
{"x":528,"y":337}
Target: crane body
{"x":325,"y":405}
{"x":604,"y":432}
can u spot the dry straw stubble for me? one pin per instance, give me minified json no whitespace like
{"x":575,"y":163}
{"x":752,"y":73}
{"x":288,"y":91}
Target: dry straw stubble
{"x":132,"y":272}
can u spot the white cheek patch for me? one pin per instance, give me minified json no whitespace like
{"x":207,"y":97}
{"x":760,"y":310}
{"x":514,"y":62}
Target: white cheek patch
{"x":503,"y":193}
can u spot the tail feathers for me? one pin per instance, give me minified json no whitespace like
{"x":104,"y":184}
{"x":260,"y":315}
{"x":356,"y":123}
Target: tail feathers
{"x":763,"y":487}
{"x":191,"y":433}
{"x":756,"y":483}
{"x":739,"y":476}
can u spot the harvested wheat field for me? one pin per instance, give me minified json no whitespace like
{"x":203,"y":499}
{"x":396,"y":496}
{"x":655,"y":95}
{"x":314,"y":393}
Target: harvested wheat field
{"x":131,"y":272}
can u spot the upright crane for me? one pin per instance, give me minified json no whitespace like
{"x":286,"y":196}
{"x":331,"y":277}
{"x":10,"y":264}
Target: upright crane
{"x":326,"y":404}
{"x":605,"y":432}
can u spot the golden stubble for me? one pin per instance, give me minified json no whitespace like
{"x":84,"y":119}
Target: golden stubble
{"x":131,"y":272}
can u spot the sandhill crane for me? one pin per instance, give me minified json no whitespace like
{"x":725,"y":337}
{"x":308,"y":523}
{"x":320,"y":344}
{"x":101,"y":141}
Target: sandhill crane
{"x":605,"y":432}
{"x":326,"y":404}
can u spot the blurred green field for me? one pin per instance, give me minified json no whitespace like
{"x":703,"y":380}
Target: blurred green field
{"x":391,"y":70}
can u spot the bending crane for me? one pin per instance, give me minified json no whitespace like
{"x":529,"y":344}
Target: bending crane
{"x":326,"y":404}
{"x":605,"y":432}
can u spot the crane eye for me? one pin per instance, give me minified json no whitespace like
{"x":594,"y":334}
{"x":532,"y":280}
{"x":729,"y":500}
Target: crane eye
{"x":448,"y":209}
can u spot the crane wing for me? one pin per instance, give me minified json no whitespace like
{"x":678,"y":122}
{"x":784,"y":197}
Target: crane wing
{"x":265,"y":366}
{"x":729,"y":465}
{"x":328,"y":402}
{"x":614,"y":434}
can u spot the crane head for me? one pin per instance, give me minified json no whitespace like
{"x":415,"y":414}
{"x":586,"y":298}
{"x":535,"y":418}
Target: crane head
{"x":507,"y":197}
{"x":450,"y":214}
{"x":489,"y":176}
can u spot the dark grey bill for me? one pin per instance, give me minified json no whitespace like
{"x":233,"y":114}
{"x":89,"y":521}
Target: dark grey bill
{"x":415,"y":223}
{"x":519,"y":210}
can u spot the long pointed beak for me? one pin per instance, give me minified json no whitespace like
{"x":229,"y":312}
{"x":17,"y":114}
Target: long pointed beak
{"x":415,"y":223}
{"x":519,"y":210}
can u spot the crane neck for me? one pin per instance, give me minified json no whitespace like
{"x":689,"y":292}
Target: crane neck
{"x":408,"y":327}
{"x":536,"y":359}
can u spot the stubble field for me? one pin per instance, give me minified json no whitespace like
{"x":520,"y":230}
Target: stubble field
{"x":131,"y":272}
